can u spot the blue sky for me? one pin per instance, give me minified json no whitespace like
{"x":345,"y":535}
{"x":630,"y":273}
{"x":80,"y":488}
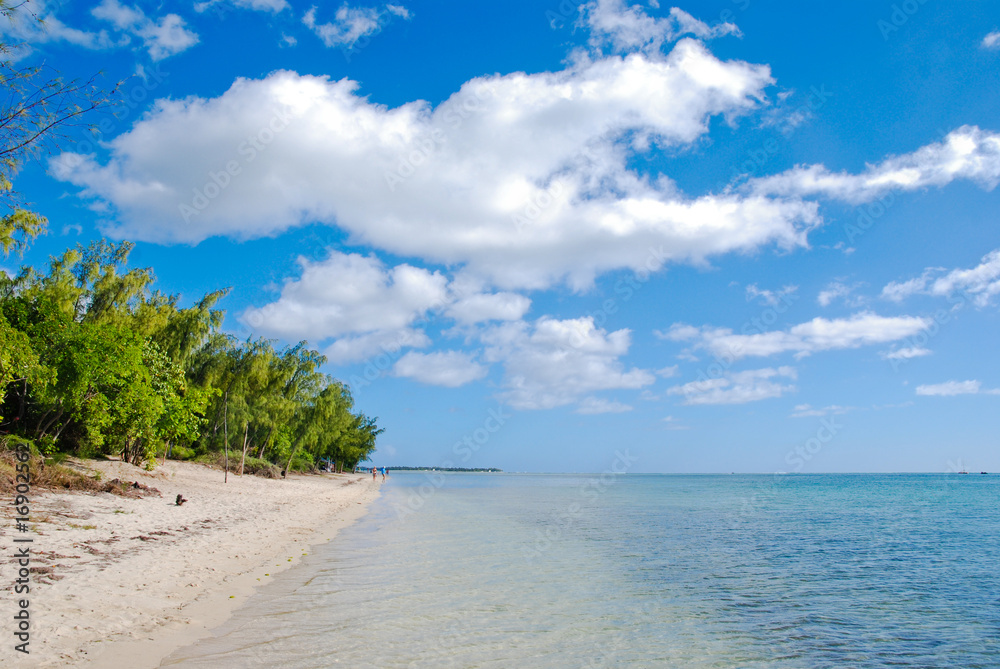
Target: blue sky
{"x":727,"y":236}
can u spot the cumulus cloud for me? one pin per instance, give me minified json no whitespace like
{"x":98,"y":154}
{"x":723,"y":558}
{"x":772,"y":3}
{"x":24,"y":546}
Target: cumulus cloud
{"x":480,"y":307}
{"x":351,"y":24}
{"x":950,"y":388}
{"x":626,"y":28}
{"x":451,"y":184}
{"x":738,"y":387}
{"x":162,"y":37}
{"x":992,"y":40}
{"x":355,"y":296}
{"x":981,"y":283}
{"x":441,"y":368}
{"x":374,"y":345}
{"x":551,"y":362}
{"x":965,"y":153}
{"x":819,"y":334}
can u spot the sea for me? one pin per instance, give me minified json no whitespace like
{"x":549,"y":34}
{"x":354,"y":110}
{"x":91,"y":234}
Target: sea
{"x":630,"y":570}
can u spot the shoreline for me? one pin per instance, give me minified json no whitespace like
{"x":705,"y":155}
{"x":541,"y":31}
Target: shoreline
{"x":126,"y":582}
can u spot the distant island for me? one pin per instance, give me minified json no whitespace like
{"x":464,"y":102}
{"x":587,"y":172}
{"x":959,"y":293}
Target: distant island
{"x":492,"y":470}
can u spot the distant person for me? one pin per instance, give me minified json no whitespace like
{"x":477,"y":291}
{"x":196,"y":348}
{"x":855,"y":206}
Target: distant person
{"x":383,"y":474}
{"x":374,"y":472}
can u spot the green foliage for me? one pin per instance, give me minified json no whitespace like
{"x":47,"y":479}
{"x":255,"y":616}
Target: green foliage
{"x":95,"y":362}
{"x":181,"y":453}
{"x":18,"y":228}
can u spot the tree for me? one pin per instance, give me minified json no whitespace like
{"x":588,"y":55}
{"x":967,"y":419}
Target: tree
{"x":37,"y":110}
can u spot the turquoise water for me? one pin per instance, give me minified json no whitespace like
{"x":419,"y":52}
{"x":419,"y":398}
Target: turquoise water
{"x":456,"y":570}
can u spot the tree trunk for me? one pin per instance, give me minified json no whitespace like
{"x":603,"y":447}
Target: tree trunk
{"x":244,"y":458}
{"x":225,"y":426}
{"x":264,"y":443}
{"x":24,"y":397}
{"x":62,"y":427}
{"x":290,"y":456}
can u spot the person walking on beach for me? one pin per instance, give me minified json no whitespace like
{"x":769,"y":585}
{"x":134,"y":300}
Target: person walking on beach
{"x":383,"y":473}
{"x":374,"y":472}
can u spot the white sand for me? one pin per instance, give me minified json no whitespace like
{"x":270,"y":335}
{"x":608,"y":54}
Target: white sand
{"x":132,"y":580}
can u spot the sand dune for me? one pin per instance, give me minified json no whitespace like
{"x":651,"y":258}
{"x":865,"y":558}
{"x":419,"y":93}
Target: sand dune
{"x":123,"y":582}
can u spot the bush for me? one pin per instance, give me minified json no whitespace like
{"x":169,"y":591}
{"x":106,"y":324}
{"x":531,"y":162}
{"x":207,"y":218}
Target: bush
{"x":302,"y":462}
{"x":254,"y":466}
{"x":258,"y":467}
{"x":181,"y":453}
{"x":48,"y":475}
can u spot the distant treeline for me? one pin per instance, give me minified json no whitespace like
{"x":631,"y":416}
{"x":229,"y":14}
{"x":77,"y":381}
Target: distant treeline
{"x":94,"y":361}
{"x":445,"y":469}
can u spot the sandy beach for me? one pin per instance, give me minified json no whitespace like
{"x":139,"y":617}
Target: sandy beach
{"x":122,"y":582}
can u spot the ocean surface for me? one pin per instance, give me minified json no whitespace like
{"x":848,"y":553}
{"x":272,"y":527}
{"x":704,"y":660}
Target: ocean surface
{"x":506,"y":570}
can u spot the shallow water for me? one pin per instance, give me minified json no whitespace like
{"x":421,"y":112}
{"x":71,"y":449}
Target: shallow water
{"x":479,"y":570}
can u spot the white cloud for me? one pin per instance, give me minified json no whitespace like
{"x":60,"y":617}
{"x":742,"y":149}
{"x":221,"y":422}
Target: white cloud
{"x":380,"y":346}
{"x":350,"y":294}
{"x":441,"y":368}
{"x":965,"y":153}
{"x":668,"y":372}
{"x":738,"y":387}
{"x":981,"y":283}
{"x":992,"y":40}
{"x":951,"y":388}
{"x":808,"y":411}
{"x":447,"y":184}
{"x":480,"y":307}
{"x":351,"y":24}
{"x":819,"y":334}
{"x":400,"y":11}
{"x":627,"y":28}
{"x":24,"y":29}
{"x":162,"y":38}
{"x":771,"y":298}
{"x":273,"y":6}
{"x":905,"y":353}
{"x":552,"y":363}
{"x":833,"y":290}
{"x":595,"y":405}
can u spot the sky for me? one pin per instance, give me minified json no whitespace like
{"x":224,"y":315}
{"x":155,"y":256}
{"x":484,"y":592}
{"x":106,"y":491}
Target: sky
{"x":728,"y":236}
